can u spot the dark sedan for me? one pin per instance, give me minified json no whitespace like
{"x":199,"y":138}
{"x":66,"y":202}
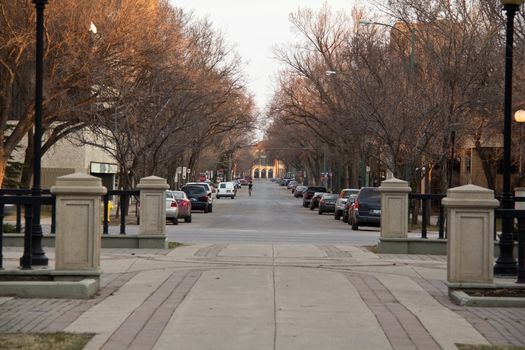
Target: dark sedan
{"x":309,"y":193}
{"x":198,"y":197}
{"x":327,"y":203}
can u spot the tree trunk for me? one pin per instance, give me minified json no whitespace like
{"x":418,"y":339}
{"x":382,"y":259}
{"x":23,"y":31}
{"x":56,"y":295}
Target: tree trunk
{"x":484,"y":155}
{"x":3,"y":165}
{"x":27,"y":170}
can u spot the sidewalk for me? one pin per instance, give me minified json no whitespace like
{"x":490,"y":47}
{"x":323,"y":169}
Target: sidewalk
{"x":220,"y":296}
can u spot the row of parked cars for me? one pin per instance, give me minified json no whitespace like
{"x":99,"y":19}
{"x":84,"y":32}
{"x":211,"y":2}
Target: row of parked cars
{"x":357,"y":207}
{"x":196,"y":196}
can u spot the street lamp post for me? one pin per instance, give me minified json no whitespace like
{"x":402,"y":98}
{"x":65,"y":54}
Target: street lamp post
{"x":506,"y":264}
{"x":38,"y":257}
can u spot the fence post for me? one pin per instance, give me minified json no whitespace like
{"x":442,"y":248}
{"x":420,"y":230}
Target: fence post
{"x":152,"y":206}
{"x":78,"y":211}
{"x":394,"y":208}
{"x":470,"y":225}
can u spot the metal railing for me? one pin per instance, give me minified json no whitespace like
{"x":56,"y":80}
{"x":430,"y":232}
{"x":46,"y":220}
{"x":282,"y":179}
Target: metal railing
{"x":26,"y":192}
{"x":426,"y":199}
{"x":124,"y":197}
{"x":520,"y":216}
{"x":28,"y":202}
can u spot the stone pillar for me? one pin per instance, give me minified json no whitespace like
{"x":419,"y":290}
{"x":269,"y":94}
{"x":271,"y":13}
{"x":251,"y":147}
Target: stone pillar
{"x":470,"y":230}
{"x":152,"y":206}
{"x":78,"y":222}
{"x":394,"y":208}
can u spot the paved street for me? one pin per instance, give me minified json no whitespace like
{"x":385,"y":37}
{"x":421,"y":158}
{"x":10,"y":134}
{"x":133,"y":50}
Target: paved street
{"x":270,"y":215}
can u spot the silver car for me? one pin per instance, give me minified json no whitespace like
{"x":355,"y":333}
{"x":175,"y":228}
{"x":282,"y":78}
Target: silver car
{"x":341,"y":201}
{"x":172,"y":209}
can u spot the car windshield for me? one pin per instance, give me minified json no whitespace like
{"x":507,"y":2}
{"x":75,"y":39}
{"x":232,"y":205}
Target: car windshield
{"x":194,"y":190}
{"x":330,"y":196}
{"x":370,"y":195}
{"x":317,"y":189}
{"x":179,"y":195}
{"x":348,"y":193}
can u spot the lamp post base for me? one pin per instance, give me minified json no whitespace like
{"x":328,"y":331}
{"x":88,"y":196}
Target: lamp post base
{"x":506,"y":264}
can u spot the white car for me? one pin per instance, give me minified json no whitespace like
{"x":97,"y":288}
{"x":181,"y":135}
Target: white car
{"x":226,"y":189}
{"x":172,"y":210}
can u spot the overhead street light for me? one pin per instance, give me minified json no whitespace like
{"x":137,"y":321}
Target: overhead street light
{"x":519,"y":117}
{"x":506,"y":264}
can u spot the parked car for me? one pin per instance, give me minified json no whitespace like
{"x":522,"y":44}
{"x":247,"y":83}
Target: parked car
{"x":292,"y":184}
{"x":366,"y":210}
{"x":309,"y":193}
{"x":299,"y":190}
{"x":348,"y":206}
{"x":172,"y":209}
{"x":327,"y":203}
{"x":198,"y":196}
{"x":209,"y":191}
{"x":341,"y":201}
{"x":184,"y":205}
{"x":226,"y":189}
{"x":314,"y":202}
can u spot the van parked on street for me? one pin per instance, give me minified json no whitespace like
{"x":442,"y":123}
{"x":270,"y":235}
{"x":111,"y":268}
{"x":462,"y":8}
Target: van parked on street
{"x":226,"y":189}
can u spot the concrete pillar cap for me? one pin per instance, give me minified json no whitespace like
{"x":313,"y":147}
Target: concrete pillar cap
{"x":78,"y":183}
{"x":470,"y":195}
{"x":153,"y":182}
{"x":394,"y":185}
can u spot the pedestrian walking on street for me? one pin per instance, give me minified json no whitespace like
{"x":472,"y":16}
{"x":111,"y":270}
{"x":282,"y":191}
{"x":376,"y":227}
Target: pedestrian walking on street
{"x":250,"y":186}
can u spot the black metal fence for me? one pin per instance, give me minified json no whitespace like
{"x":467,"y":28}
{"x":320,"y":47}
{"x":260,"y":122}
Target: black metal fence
{"x":124,"y":199}
{"x":426,"y":201}
{"x":22,"y":198}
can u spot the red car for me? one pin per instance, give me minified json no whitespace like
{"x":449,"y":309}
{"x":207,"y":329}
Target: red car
{"x":184,"y":205}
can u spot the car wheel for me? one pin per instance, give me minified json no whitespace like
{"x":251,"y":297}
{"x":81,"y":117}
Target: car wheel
{"x":320,"y":211}
{"x":304,"y":205}
{"x":187,"y":219}
{"x":175,"y":221}
{"x":337,"y":215}
{"x":232,"y":197}
{"x":217,"y":197}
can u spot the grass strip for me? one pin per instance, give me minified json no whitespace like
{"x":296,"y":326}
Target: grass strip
{"x":44,"y":341}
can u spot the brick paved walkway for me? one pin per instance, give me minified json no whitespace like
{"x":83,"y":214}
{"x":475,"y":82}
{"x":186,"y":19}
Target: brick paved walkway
{"x":372,"y":276}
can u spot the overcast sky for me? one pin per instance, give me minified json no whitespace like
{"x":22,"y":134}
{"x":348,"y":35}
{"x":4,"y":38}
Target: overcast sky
{"x":254,"y":27}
